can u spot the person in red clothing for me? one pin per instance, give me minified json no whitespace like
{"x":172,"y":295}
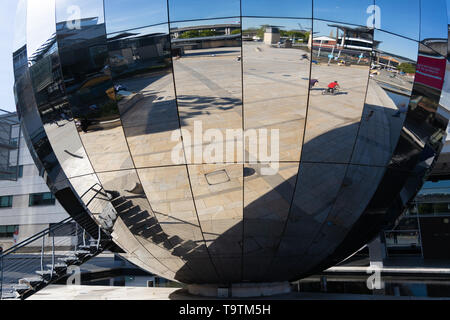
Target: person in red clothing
{"x":333,"y":86}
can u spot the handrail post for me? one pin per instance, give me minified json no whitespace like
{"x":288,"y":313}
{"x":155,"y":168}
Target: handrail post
{"x":99,"y":236}
{"x":42,"y":253}
{"x":53,"y":252}
{"x":84,"y":237}
{"x":1,"y":276}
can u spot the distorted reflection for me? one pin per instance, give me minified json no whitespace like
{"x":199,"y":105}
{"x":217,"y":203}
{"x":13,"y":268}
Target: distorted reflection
{"x":180,"y":10}
{"x":276,"y":66}
{"x":135,"y":212}
{"x":48,"y":85}
{"x":84,"y":60}
{"x":318,"y":186}
{"x":208,"y":81}
{"x":141,"y":69}
{"x":269,"y":8}
{"x":400,"y":17}
{"x":349,"y":11}
{"x":168,"y":192}
{"x":434,"y":25}
{"x":340,"y":59}
{"x":267,"y":200}
{"x":392,"y":74}
{"x":218,"y":197}
{"x":360,"y":182}
{"x":124,"y":15}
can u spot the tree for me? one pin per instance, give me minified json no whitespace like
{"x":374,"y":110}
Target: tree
{"x":236,"y":31}
{"x":197,"y":33}
{"x":407,"y":67}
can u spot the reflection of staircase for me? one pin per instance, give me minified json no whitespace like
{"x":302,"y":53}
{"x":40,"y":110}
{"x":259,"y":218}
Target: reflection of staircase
{"x":141,"y":222}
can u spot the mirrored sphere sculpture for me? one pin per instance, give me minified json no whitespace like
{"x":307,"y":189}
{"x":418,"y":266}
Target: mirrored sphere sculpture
{"x":221,"y":142}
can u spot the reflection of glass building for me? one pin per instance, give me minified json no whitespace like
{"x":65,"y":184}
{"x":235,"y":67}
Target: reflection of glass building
{"x":122,"y":93}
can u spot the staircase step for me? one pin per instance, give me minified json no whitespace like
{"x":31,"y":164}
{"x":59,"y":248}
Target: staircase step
{"x":32,"y":282}
{"x":117,"y":201}
{"x":21,"y":288}
{"x":58,"y":267}
{"x":9,"y":295}
{"x":123,"y":206}
{"x":70,"y":260}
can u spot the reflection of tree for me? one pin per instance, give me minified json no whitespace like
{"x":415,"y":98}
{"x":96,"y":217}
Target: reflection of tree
{"x":407,"y":67}
{"x":198,"y":33}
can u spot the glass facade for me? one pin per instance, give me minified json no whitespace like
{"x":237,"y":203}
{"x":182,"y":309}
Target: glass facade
{"x":234,"y":141}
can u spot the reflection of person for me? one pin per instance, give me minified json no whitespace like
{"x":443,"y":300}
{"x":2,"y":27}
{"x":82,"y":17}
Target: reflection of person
{"x":305,"y":56}
{"x":313,"y":82}
{"x":332,"y":86}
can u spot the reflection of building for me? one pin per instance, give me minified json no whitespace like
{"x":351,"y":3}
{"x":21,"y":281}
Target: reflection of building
{"x":357,"y":38}
{"x":135,"y":53}
{"x":233,"y":40}
{"x":26,"y":204}
{"x":271,"y":35}
{"x":340,"y":180}
{"x":217,"y":29}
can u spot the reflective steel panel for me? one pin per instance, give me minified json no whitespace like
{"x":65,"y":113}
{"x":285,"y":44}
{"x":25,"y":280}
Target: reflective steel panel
{"x":169,"y":194}
{"x":218,"y":197}
{"x":359,"y":12}
{"x":406,"y":11}
{"x":125,"y":15}
{"x":276,"y":79}
{"x":267,"y":8}
{"x":392,"y":74}
{"x":208,"y":82}
{"x":341,"y":65}
{"x":49,"y":90}
{"x":434,"y":25}
{"x":87,"y":78}
{"x":180,"y":10}
{"x":141,"y":67}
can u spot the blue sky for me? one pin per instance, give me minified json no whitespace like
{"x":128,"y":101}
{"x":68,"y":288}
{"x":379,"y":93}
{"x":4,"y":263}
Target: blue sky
{"x":398,"y":16}
{"x":7,"y":15}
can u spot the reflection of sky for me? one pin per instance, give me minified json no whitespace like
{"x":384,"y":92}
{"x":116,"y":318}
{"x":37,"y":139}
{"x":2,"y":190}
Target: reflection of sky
{"x":129,"y":14}
{"x":400,"y":17}
{"x":9,"y":44}
{"x":285,"y":24}
{"x":434,"y":20}
{"x":164,"y":28}
{"x":203,"y":9}
{"x":88,"y":9}
{"x":205,"y":22}
{"x":397,"y":45}
{"x":284,"y":8}
{"x":349,"y":11}
{"x":40,"y":24}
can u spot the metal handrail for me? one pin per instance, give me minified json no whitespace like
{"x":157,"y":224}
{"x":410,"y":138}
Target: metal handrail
{"x":35,"y":237}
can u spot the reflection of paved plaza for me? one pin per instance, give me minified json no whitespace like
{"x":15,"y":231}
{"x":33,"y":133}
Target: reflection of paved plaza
{"x":274,"y":90}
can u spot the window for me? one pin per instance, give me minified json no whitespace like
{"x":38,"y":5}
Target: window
{"x":42,"y":199}
{"x":8,"y":231}
{"x":20,"y":172}
{"x":6,"y":201}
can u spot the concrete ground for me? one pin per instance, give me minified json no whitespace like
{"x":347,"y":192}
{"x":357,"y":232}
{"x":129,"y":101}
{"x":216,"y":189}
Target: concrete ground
{"x":58,"y":292}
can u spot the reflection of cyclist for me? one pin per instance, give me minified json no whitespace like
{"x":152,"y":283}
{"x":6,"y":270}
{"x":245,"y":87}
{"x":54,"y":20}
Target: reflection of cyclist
{"x":313,"y":82}
{"x":332,"y":87}
{"x":305,"y":56}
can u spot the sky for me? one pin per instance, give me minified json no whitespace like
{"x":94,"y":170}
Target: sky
{"x":7,"y":15}
{"x":399,"y":16}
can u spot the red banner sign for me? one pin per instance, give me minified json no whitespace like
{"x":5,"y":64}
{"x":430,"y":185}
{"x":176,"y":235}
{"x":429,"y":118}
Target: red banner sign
{"x":430,"y":71}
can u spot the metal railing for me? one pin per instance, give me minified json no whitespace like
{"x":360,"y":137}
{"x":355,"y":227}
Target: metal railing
{"x":43,"y":258}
